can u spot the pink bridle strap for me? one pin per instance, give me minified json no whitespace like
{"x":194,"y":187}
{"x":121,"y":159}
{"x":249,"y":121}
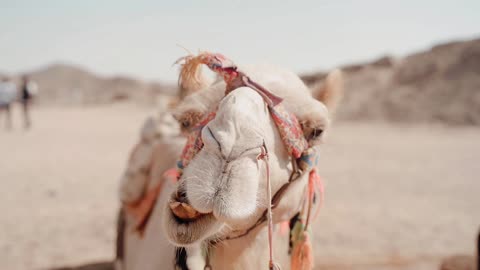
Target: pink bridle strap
{"x":194,"y":142}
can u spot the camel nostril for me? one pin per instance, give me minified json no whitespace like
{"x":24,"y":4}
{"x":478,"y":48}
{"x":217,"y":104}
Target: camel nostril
{"x":181,"y":195}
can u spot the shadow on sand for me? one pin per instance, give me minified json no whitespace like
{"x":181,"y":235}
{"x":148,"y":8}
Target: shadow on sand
{"x":89,"y":266}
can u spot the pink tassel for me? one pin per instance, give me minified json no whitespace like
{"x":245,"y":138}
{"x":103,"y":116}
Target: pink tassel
{"x":312,"y":179}
{"x":302,"y":257}
{"x":302,"y":254}
{"x":320,"y":186}
{"x":319,"y":189}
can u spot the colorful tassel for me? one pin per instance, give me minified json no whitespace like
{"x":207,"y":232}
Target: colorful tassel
{"x":302,"y":255}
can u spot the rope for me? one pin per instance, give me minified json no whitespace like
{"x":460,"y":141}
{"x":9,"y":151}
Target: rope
{"x":264,"y":156}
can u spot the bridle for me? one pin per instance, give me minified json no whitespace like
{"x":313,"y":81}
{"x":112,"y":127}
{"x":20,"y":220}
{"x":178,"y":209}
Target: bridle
{"x":304,"y":157}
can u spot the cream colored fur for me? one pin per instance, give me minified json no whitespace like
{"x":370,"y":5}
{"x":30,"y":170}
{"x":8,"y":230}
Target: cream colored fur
{"x":227,"y":181}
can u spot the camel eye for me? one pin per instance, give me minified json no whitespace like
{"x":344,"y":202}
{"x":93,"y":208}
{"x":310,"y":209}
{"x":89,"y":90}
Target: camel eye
{"x":315,"y":134}
{"x":185,"y":124}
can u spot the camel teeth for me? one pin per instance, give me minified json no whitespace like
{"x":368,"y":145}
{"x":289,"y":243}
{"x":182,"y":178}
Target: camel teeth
{"x":174,"y":204}
{"x":184,"y":210}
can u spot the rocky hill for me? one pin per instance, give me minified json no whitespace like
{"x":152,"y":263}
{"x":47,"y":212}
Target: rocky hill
{"x":438,"y":85}
{"x":66,"y":84}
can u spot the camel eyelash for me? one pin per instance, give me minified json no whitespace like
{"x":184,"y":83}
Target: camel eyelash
{"x":315,"y":134}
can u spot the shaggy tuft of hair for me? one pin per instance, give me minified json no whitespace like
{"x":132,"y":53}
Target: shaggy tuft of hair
{"x":191,"y":78}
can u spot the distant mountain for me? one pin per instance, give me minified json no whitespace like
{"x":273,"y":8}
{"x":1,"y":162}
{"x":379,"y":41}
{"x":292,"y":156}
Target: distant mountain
{"x":61,"y":83}
{"x":438,"y":85}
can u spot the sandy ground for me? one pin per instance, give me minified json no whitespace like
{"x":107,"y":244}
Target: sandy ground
{"x":397,"y":197}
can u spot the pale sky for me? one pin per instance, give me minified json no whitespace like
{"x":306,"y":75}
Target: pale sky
{"x":139,"y":38}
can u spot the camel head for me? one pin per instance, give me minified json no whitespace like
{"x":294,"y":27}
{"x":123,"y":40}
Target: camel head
{"x":223,"y":188}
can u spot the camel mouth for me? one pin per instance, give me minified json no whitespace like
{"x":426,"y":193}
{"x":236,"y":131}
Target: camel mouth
{"x":184,"y":225}
{"x":181,"y":208}
{"x":184,"y":212}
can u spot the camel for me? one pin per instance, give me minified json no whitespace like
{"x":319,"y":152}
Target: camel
{"x":208,"y":219}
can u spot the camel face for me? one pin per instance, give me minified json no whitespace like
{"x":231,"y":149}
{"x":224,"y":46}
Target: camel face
{"x":223,"y":189}
{"x":224,"y":182}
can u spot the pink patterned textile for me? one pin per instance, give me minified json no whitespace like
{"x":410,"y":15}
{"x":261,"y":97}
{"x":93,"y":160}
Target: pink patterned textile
{"x":290,"y":130}
{"x":194,"y":142}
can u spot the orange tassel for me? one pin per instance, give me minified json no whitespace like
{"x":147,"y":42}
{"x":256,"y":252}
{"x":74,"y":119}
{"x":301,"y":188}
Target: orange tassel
{"x":302,"y":257}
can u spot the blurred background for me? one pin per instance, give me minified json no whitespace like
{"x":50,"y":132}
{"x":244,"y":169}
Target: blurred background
{"x":401,"y":164}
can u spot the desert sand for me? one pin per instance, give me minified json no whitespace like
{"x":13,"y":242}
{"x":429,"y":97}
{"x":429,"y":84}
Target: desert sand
{"x":397,"y":196}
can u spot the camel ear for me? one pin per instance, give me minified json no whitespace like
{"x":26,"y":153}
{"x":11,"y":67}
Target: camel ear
{"x":330,"y":91}
{"x":326,"y":96}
